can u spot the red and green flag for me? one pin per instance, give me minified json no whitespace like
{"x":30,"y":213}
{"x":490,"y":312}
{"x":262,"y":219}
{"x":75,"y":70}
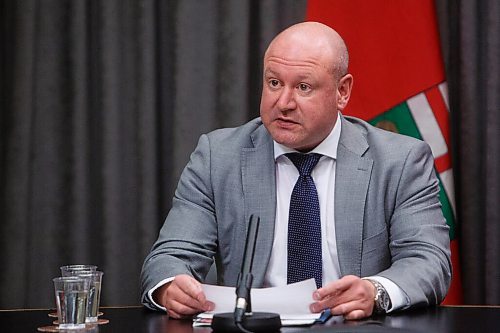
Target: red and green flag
{"x":399,"y":81}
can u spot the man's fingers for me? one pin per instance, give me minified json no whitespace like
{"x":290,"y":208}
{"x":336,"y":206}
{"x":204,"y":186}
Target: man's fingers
{"x":191,"y":287}
{"x":335,"y":288}
{"x":209,"y":306}
{"x":356,"y":309}
{"x":356,"y":314}
{"x":334,"y":293}
{"x":173,"y":314}
{"x":188,"y":291}
{"x":347,"y":296}
{"x":184,"y":296}
{"x":181,"y":309}
{"x":178,"y":295}
{"x":360,"y":290}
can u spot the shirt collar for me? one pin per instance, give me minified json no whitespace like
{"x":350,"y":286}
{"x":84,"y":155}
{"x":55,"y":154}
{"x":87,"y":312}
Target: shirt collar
{"x":327,"y":147}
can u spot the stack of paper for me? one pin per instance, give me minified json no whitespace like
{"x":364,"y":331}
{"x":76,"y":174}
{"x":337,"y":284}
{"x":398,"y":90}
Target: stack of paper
{"x":291,"y":302}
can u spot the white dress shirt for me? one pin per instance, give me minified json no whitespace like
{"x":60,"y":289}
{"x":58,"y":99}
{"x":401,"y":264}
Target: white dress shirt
{"x":323,"y":175}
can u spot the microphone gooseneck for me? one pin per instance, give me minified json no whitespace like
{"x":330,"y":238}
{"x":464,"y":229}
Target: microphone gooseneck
{"x":243,"y":319}
{"x":245,"y":278}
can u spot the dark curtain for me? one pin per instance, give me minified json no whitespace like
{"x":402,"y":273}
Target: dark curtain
{"x":103,"y":101}
{"x":101,"y":104}
{"x":472,"y":29}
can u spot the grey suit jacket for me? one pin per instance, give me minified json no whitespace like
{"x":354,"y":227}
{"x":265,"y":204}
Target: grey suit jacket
{"x":388,"y":217}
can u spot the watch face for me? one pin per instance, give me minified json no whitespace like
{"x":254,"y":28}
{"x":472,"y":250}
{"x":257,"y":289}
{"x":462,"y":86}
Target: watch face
{"x":385,"y":301}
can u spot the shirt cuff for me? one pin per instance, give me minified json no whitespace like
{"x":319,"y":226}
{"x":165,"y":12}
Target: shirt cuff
{"x":152,"y":290}
{"x":399,"y":300}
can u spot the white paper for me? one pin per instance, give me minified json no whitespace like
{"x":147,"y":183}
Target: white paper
{"x":205,"y":320}
{"x":291,"y":302}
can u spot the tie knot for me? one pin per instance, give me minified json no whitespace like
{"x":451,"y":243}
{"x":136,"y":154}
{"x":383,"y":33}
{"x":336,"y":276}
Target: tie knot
{"x":305,"y":163}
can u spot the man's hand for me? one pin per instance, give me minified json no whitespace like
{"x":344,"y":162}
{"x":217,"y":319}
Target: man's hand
{"x":349,"y":296}
{"x":183,"y":297}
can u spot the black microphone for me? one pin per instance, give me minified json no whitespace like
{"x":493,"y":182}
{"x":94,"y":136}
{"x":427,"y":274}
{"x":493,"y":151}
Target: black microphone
{"x":245,"y":278}
{"x":243,"y":319}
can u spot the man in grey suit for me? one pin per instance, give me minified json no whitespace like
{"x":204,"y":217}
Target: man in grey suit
{"x":384,"y":241}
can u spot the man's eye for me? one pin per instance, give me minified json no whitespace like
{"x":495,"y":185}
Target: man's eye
{"x":274,"y":83}
{"x":304,"y":87}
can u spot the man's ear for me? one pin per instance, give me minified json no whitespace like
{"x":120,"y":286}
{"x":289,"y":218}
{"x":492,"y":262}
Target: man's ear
{"x":344,"y":89}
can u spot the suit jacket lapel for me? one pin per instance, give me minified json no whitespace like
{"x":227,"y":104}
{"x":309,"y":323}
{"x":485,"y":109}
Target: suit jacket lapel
{"x":259,"y":189}
{"x":351,"y":185}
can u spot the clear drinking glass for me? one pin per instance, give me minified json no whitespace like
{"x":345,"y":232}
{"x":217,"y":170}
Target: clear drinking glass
{"x":94,"y":295}
{"x":71,"y":300}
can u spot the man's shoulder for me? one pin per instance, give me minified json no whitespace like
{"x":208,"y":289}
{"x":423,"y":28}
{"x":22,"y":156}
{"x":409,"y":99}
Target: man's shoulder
{"x":382,"y":138}
{"x":246,"y":135}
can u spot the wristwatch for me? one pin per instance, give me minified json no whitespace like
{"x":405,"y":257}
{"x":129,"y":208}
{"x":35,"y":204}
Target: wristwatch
{"x":382,"y":300}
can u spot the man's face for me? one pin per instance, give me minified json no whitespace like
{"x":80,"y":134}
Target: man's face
{"x":299,"y":98}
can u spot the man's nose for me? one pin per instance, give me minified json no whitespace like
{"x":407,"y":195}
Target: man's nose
{"x":286,"y":100}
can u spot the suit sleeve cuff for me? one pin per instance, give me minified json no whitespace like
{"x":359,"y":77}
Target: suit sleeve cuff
{"x":152,"y":290}
{"x":399,"y":300}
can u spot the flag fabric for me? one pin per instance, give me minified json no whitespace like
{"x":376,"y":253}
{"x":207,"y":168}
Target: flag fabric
{"x":399,"y":82}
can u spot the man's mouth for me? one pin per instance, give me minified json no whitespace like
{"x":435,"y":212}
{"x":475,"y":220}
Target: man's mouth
{"x":285,"y":122}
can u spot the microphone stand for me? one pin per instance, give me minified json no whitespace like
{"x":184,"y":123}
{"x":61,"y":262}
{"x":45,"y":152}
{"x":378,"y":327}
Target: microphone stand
{"x":243,"y":319}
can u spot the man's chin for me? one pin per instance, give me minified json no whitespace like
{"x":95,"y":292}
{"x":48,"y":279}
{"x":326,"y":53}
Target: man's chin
{"x":287,"y":142}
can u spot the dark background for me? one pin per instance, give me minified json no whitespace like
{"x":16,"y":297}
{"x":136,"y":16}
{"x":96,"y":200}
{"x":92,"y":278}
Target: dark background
{"x":103,"y":101}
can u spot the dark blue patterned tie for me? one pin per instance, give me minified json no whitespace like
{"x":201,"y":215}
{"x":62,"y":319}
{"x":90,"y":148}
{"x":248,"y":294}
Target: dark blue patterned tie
{"x":304,"y":225}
